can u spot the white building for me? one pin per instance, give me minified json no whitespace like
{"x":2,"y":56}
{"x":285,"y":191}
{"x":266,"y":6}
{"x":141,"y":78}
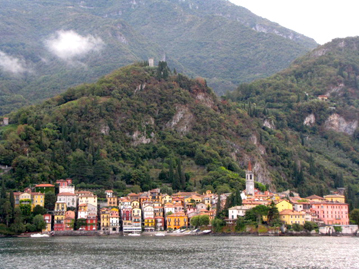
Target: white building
{"x":69,"y":198}
{"x":237,"y":211}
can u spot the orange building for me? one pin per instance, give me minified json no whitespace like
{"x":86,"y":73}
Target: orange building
{"x":177,"y":221}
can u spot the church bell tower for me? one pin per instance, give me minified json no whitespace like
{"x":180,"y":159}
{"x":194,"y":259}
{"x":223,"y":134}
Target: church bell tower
{"x":249,"y":180}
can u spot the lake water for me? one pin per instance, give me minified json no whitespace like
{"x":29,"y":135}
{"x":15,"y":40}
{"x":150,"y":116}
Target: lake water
{"x":180,"y":252}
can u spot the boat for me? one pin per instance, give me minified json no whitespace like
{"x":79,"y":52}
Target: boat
{"x":134,"y":234}
{"x":206,"y":231}
{"x":39,"y":235}
{"x":160,"y":234}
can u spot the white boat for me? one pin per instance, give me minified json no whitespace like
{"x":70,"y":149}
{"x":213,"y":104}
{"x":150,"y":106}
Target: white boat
{"x":134,"y":234}
{"x":160,"y":234}
{"x":206,"y":231}
{"x":39,"y":235}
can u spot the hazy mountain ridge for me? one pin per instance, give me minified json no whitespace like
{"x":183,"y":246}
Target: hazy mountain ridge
{"x":122,"y":32}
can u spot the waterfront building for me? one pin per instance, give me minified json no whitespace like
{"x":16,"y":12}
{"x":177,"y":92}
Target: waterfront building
{"x":59,"y":216}
{"x":331,"y":213}
{"x":69,"y":220}
{"x":290,"y":217}
{"x":238,"y":211}
{"x":177,"y":221}
{"x":48,"y":220}
{"x":114,"y":221}
{"x":105,"y":219}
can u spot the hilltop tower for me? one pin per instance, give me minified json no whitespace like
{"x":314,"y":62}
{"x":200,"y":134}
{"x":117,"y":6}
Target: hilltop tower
{"x":151,"y":62}
{"x":249,"y":180}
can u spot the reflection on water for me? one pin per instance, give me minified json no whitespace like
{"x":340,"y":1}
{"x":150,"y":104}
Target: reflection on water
{"x":180,"y":252}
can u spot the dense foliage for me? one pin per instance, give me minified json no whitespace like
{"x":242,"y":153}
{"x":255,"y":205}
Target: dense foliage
{"x":135,"y":129}
{"x":209,"y":40}
{"x":313,"y":143}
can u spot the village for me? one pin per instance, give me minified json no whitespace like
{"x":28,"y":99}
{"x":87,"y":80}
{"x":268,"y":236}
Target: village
{"x":155,"y":211}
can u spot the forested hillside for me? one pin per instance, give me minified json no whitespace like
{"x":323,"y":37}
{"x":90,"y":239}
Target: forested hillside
{"x":47,"y":46}
{"x":138,"y":128}
{"x":311,"y":111}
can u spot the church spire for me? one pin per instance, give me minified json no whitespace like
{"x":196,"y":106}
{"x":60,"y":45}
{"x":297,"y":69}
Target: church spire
{"x":249,"y":180}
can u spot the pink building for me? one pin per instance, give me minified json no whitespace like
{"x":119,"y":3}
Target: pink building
{"x":332,"y":213}
{"x":69,"y":220}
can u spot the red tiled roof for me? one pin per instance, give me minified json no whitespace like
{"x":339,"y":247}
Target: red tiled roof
{"x":44,"y":185}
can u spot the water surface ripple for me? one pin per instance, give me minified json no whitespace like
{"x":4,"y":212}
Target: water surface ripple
{"x":180,"y":252}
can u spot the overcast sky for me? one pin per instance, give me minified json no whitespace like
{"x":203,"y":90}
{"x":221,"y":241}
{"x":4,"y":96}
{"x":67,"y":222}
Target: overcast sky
{"x":322,"y":20}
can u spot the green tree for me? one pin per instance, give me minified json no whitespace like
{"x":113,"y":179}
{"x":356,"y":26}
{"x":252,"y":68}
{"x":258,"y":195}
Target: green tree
{"x":203,"y":220}
{"x":80,"y":223}
{"x":256,"y":214}
{"x":39,"y":222}
{"x":26,"y":210}
{"x":240,"y":224}
{"x":181,"y":177}
{"x":354,"y":216}
{"x":50,"y":200}
{"x":218,"y":206}
{"x":310,"y":226}
{"x":217,"y":225}
{"x":8,"y":210}
{"x":101,"y":171}
{"x":18,"y":225}
{"x":297,"y":227}
{"x":39,"y":210}
{"x":195,"y":222}
{"x":273,"y":215}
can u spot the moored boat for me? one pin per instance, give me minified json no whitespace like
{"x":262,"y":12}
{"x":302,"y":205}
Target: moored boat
{"x":134,"y":234}
{"x":160,"y":234}
{"x":39,"y":235}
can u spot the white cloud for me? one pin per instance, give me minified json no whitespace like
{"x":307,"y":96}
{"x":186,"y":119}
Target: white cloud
{"x":69,"y":45}
{"x":11,"y":64}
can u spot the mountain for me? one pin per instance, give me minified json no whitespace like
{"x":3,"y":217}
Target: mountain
{"x":47,"y":46}
{"x":310,"y":110}
{"x":139,"y":126}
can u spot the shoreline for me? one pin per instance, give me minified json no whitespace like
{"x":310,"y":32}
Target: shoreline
{"x":174,"y":234}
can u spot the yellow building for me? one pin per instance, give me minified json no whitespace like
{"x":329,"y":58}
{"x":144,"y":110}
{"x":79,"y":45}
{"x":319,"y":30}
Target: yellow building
{"x":335,"y":198}
{"x":112,"y":201}
{"x":105,"y":218}
{"x":166,"y":199}
{"x":135,"y":204}
{"x":290,"y":217}
{"x":193,"y":199}
{"x":59,"y":216}
{"x":283,"y":205}
{"x":149,"y":224}
{"x":87,"y":197}
{"x":37,"y":198}
{"x":176,"y":220}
